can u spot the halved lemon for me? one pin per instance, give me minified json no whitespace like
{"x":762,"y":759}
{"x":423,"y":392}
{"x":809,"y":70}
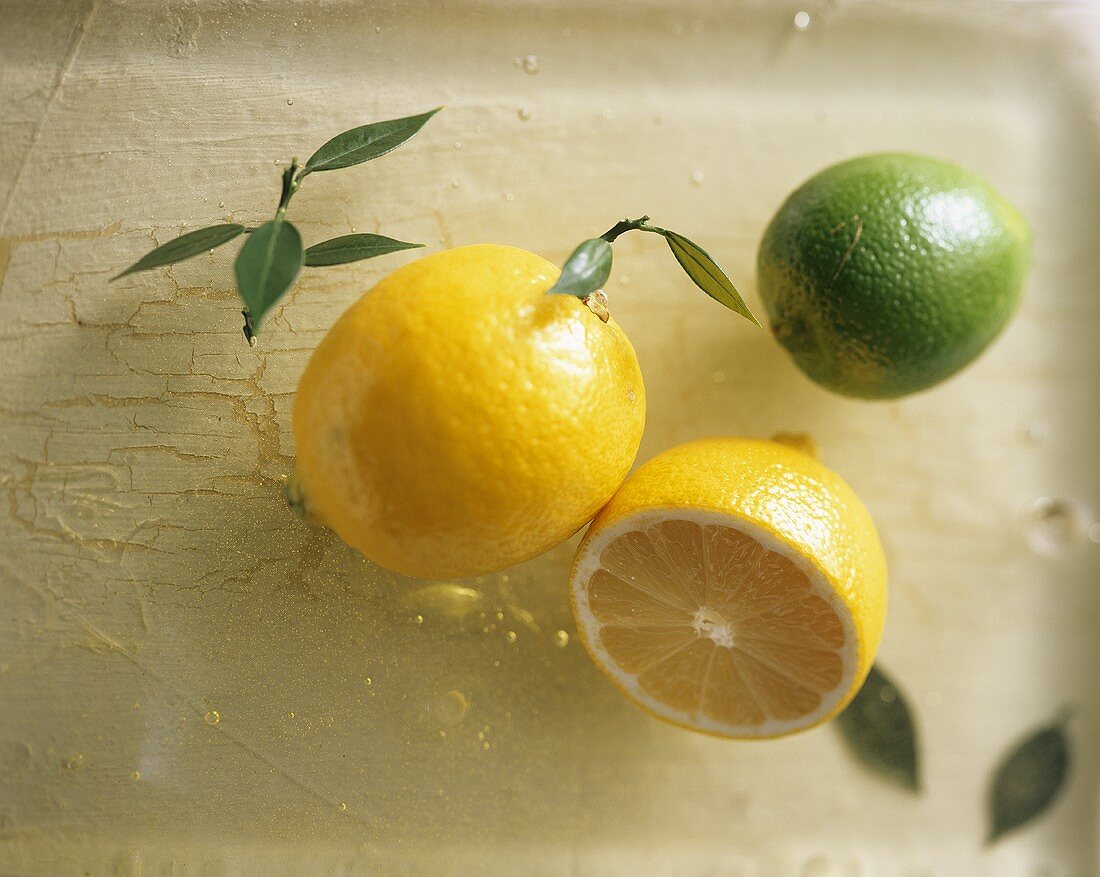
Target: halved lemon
{"x":733,"y":586}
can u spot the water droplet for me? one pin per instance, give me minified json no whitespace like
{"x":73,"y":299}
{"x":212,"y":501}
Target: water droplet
{"x":1053,"y":525}
{"x":561,"y":639}
{"x":212,"y":717}
{"x":290,"y":101}
{"x":458,"y":144}
{"x":378,"y":29}
{"x":290,"y":715}
{"x":72,"y":762}
{"x":508,"y":196}
{"x":221,"y":204}
{"x":608,"y":114}
{"x":531,"y":64}
{"x":419,"y":619}
{"x":819,"y":866}
{"x":454,"y":184}
{"x":368,"y":680}
{"x":719,"y":377}
{"x":342,"y":807}
{"x":888,"y":694}
{"x":485,"y":744}
{"x":135,"y":775}
{"x":802,"y":20}
{"x":697,"y":178}
{"x":511,"y":636}
{"x":450,"y":708}
{"x":500,"y":615}
{"x":524,"y":113}
{"x":1034,"y":433}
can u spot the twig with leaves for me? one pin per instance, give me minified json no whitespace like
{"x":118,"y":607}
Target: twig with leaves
{"x":271,"y":258}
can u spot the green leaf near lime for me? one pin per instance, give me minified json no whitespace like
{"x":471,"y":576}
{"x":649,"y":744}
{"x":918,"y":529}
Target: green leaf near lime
{"x":886,"y":274}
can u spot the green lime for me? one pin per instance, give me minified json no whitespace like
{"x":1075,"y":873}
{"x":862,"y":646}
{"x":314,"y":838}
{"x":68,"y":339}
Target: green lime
{"x":885,"y":274}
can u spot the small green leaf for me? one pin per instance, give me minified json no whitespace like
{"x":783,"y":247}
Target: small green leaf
{"x":353,"y":248}
{"x":1028,"y":780}
{"x":365,"y":142}
{"x":267,"y":265}
{"x":194,"y":243}
{"x":878,"y":728}
{"x":704,"y":271}
{"x":586,"y":270}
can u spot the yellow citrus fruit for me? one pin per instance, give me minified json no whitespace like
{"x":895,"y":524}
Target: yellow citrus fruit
{"x":733,"y":586}
{"x":457,"y":419}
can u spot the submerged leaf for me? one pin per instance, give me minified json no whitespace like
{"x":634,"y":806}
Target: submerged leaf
{"x":365,"y":142}
{"x":267,"y":265}
{"x":586,"y":270}
{"x":878,"y":727}
{"x":1028,"y":780}
{"x":194,"y":243}
{"x":353,"y":248}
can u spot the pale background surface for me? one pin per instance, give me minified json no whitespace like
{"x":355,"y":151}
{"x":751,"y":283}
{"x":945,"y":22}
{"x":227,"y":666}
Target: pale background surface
{"x":151,"y":573}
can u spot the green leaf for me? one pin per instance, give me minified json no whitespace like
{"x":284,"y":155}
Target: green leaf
{"x":586,"y":270}
{"x":194,"y":243}
{"x":353,"y":248}
{"x":704,"y":271}
{"x":267,"y":265}
{"x":878,"y":728}
{"x":365,"y":142}
{"x":1028,"y":780}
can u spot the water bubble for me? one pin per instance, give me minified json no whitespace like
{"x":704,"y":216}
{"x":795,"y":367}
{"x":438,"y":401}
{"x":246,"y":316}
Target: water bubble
{"x":524,"y":113}
{"x":561,"y":639}
{"x":500,"y":615}
{"x":458,"y":144}
{"x":508,"y":196}
{"x":608,"y":114}
{"x":888,"y":694}
{"x":290,"y":101}
{"x":1053,"y":524}
{"x":446,"y":600}
{"x":212,"y":717}
{"x":802,"y":20}
{"x":72,"y":762}
{"x":135,"y":775}
{"x":454,"y":184}
{"x":368,"y":680}
{"x":697,"y":178}
{"x":450,"y":708}
{"x":419,"y":619}
{"x":624,"y":280}
{"x":342,"y":807}
{"x":221,"y":204}
{"x":531,"y":64}
{"x":511,"y":636}
{"x":485,"y":744}
{"x":378,"y":29}
{"x":567,"y":31}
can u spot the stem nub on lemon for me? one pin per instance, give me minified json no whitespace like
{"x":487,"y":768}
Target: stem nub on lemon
{"x":733,"y":586}
{"x":457,"y":419}
{"x":886,"y":274}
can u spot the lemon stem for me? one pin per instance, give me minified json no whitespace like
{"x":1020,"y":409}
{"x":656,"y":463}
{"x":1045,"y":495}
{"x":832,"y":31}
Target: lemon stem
{"x":624,"y":226}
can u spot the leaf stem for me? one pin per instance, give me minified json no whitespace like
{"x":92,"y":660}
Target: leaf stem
{"x":291,"y":181}
{"x":624,"y":226}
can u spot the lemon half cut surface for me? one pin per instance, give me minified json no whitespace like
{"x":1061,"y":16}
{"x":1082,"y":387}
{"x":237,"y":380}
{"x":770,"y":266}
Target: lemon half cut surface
{"x":733,"y":586}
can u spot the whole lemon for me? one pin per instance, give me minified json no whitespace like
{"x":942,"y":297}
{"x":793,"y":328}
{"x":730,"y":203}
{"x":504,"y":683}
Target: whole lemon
{"x":886,"y":274}
{"x":457,"y":419}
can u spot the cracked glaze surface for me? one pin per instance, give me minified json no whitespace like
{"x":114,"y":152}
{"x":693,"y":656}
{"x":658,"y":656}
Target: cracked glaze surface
{"x":151,"y":574}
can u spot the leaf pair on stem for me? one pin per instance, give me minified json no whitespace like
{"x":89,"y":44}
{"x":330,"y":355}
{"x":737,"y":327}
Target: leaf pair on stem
{"x":269,"y":262}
